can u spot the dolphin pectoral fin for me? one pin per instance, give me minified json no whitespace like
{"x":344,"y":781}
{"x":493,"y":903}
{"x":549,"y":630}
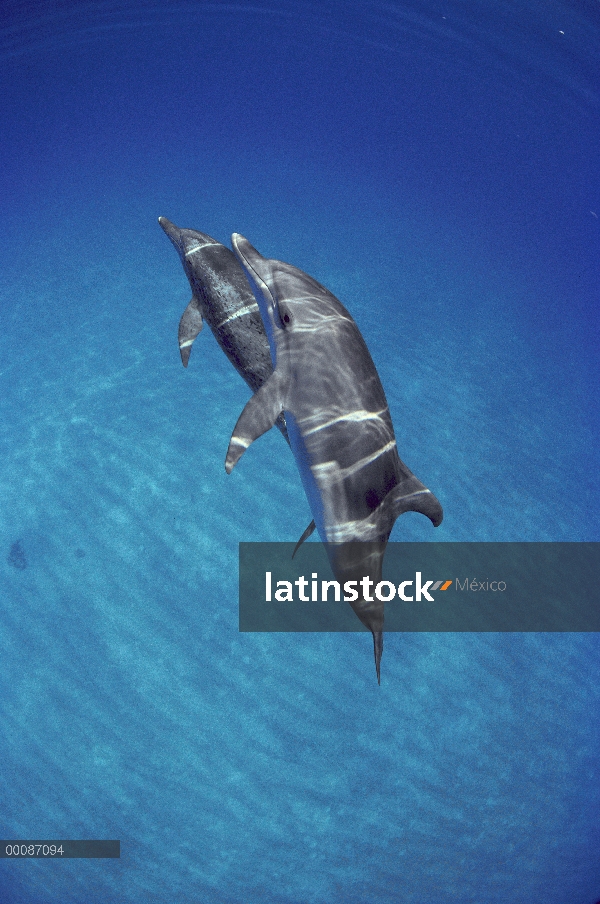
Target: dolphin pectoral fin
{"x":309,"y":530}
{"x":259,"y":415}
{"x":189,"y":327}
{"x":409,"y":496}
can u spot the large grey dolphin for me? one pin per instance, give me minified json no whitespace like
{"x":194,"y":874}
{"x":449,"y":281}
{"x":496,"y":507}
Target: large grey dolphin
{"x":325,"y":383}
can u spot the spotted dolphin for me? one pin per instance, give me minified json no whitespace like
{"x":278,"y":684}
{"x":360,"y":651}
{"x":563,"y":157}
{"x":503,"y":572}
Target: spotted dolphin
{"x":221,"y":296}
{"x":325,"y":383}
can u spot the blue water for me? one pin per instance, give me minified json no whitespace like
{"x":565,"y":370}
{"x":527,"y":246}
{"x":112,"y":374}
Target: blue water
{"x":436,"y":166}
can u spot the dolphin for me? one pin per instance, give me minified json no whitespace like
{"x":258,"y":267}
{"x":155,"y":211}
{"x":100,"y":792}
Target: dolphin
{"x":221,"y":296}
{"x":341,"y":434}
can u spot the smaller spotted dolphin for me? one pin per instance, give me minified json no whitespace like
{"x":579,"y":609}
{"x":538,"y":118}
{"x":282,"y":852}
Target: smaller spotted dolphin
{"x":325,"y":383}
{"x":221,"y":296}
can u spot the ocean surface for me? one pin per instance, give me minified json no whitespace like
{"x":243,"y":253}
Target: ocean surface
{"x":434,"y":164}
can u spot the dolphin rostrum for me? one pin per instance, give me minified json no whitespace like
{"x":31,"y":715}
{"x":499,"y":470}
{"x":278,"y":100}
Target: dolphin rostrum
{"x":325,"y":383}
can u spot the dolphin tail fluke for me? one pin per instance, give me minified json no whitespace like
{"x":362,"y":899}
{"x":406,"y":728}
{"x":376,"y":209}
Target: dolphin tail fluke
{"x":309,"y":530}
{"x":259,"y":415}
{"x":378,"y":650}
{"x":370,"y":612}
{"x":189,"y":327}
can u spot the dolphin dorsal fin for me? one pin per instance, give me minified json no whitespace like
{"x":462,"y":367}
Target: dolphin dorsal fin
{"x":409,"y":496}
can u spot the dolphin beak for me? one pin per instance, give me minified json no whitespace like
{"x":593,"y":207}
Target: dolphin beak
{"x":378,"y":650}
{"x":247,"y":253}
{"x":171,"y":229}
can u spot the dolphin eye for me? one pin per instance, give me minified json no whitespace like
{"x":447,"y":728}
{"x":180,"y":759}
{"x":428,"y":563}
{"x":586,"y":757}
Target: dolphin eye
{"x":286,"y":318}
